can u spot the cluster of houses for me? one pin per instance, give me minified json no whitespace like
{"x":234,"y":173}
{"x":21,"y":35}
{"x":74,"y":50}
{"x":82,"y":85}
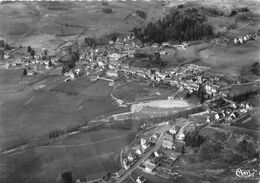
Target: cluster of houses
{"x":187,"y":76}
{"x":137,"y":151}
{"x":38,"y":62}
{"x":114,"y":56}
{"x":238,"y":40}
{"x":245,"y":38}
{"x":109,"y":57}
{"x":161,"y":161}
{"x":228,"y":112}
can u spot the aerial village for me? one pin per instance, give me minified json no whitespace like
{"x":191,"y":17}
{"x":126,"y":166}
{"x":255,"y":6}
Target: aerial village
{"x":156,"y":149}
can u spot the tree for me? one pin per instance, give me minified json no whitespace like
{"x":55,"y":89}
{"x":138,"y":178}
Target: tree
{"x":90,"y":41}
{"x":189,"y":25}
{"x":29,"y":49}
{"x":114,"y":36}
{"x":65,"y":177}
{"x":32,"y":53}
{"x":186,"y":36}
{"x":200,"y":94}
{"x":24,"y":72}
{"x":156,"y":59}
{"x":69,"y":50}
{"x":45,"y":53}
{"x":75,"y":56}
{"x":255,"y":68}
{"x":63,"y":70}
{"x":7,"y":47}
{"x":245,"y":146}
{"x":188,"y":95}
{"x":182,"y":149}
{"x":2,"y":54}
{"x":2,"y":43}
{"x":50,"y":63}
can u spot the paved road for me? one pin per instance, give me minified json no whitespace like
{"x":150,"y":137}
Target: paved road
{"x":130,"y":170}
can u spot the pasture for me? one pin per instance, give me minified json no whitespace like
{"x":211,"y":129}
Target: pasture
{"x":231,"y":59}
{"x":92,"y":155}
{"x":29,"y":113}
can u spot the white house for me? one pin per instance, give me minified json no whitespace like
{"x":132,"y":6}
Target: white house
{"x":245,"y":38}
{"x":235,"y":41}
{"x":240,"y":40}
{"x":173,"y":130}
{"x":138,"y":152}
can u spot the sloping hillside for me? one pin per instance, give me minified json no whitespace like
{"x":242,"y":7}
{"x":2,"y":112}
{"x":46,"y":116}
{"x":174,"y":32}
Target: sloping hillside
{"x":48,"y":24}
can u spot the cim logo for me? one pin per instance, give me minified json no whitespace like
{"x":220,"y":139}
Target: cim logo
{"x":245,"y":173}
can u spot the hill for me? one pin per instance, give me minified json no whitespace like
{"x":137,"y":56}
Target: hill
{"x":49,"y":24}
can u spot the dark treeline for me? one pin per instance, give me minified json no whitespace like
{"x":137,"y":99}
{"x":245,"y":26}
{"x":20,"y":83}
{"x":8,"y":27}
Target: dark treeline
{"x":178,"y":26}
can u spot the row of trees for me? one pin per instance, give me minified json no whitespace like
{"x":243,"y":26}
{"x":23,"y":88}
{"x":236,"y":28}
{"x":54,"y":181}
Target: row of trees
{"x":186,"y":26}
{"x":90,"y":41}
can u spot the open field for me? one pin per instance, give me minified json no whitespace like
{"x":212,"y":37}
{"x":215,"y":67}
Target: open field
{"x":10,"y":83}
{"x":28,"y":114}
{"x":231,"y":60}
{"x":141,"y":91}
{"x":91,"y":154}
{"x":159,"y":105}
